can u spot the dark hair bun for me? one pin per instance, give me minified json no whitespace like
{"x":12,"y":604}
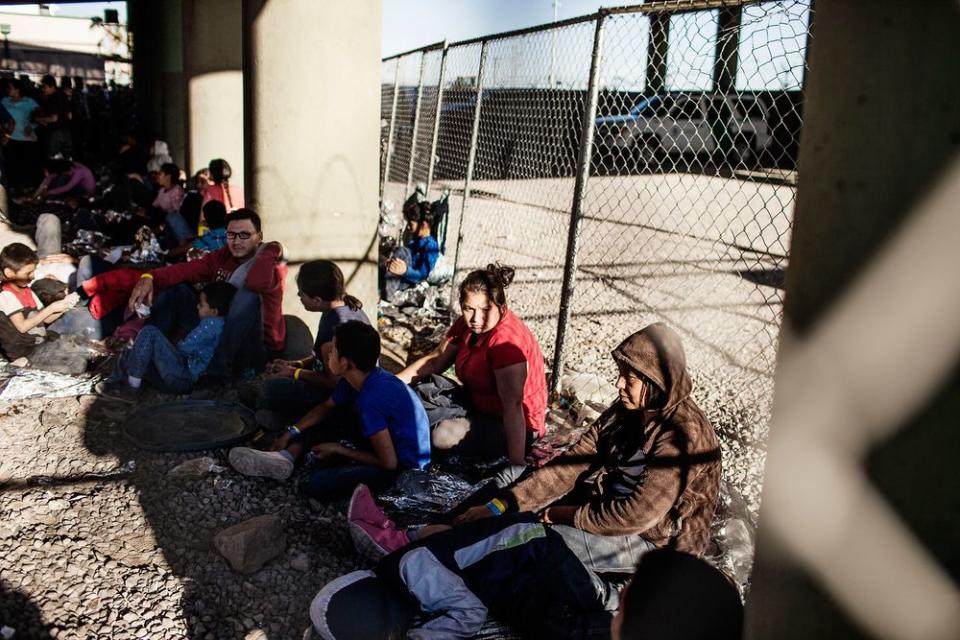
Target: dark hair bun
{"x":502,"y":275}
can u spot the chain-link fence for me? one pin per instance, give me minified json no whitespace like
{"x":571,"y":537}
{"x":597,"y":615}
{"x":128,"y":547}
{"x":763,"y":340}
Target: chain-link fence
{"x":635,"y":165}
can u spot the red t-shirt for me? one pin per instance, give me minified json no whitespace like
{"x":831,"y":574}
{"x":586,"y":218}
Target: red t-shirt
{"x":510,"y":342}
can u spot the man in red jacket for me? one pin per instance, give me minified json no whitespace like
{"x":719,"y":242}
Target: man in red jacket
{"x":255,"y":329}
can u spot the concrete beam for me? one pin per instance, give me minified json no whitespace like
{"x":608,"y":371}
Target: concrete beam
{"x":728,"y":44}
{"x":657,"y":49}
{"x":213,"y":46}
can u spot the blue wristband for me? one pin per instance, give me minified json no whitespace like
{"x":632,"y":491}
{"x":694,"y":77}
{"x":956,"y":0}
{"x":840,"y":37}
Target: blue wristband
{"x":495,"y":508}
{"x":292,"y":430}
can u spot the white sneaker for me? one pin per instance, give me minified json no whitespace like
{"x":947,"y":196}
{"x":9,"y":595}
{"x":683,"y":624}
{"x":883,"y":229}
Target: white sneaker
{"x":265,"y":464}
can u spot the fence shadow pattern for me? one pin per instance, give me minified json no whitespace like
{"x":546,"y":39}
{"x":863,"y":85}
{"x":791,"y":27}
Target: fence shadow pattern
{"x":633,"y":165}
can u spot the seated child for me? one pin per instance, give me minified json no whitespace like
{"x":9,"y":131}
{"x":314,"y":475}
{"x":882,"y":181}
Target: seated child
{"x":300,"y":385}
{"x":169,"y":368}
{"x":410,"y":265}
{"x":18,"y":302}
{"x":393,"y":429}
{"x":214,"y":224}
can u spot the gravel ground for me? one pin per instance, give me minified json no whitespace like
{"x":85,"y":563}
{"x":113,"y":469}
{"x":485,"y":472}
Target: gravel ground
{"x":131,"y":556}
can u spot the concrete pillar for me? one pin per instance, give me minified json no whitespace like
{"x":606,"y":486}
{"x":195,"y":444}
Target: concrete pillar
{"x":867,"y":159}
{"x":312,"y":115}
{"x":657,"y":49}
{"x":213,"y":66}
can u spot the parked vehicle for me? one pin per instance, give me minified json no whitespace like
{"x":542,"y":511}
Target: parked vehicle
{"x":733,"y":127}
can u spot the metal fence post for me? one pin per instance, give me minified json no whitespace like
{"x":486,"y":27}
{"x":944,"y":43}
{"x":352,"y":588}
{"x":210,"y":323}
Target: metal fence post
{"x":436,"y":117}
{"x":416,"y":123}
{"x":471,"y":161}
{"x":390,"y":130}
{"x":576,"y":211}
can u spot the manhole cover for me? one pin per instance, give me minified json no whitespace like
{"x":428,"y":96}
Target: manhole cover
{"x":191,"y":425}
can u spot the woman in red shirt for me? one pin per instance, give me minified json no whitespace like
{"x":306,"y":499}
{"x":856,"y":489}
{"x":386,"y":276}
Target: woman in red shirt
{"x":499,"y":362}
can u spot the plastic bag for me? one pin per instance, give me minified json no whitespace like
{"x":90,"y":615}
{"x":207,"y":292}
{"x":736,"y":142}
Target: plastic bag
{"x":195,"y":469}
{"x":147,"y":247}
{"x":66,"y":354}
{"x":420,"y":495}
{"x":442,"y":270}
{"x":20,"y":384}
{"x":733,"y":534}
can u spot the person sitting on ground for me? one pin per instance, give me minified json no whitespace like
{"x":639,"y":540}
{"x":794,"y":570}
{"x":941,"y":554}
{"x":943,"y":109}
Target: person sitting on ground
{"x":170,"y":193}
{"x":168,"y":367}
{"x":189,"y":213}
{"x":220,"y":188}
{"x":300,"y":385}
{"x":201,"y":180}
{"x":168,"y":201}
{"x":213,"y":221}
{"x":410,"y":265}
{"x":393,"y":431}
{"x":18,"y":302}
{"x":677,"y":596}
{"x":64,"y":178}
{"x":645,"y":475}
{"x":501,"y":408}
{"x":254,"y":327}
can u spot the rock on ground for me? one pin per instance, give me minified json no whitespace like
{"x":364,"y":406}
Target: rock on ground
{"x":252,"y":543}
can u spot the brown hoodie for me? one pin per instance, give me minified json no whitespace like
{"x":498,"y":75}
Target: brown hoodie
{"x":655,"y":473}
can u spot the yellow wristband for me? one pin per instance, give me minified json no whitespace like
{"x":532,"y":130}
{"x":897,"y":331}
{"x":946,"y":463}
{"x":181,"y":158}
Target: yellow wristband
{"x":500,"y":505}
{"x":299,"y":363}
{"x":296,"y":373}
{"x":146,"y":275}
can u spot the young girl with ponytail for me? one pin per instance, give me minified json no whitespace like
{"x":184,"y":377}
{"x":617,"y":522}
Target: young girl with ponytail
{"x":221,"y":190}
{"x":300,"y":385}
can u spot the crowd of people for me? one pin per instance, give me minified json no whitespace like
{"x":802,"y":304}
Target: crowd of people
{"x":184,"y":285}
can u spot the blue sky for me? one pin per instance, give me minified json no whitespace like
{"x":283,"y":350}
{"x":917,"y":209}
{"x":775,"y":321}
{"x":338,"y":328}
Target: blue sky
{"x":772,"y":49}
{"x":408,"y":24}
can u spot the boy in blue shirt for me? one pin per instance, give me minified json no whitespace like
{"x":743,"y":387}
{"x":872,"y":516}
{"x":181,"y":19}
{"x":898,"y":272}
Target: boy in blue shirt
{"x":393,"y":432}
{"x":411,"y":264}
{"x":168,"y":367}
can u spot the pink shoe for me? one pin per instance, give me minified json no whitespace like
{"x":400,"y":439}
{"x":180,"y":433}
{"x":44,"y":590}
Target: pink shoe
{"x":363,"y":508}
{"x":373,"y":533}
{"x":373,"y":542}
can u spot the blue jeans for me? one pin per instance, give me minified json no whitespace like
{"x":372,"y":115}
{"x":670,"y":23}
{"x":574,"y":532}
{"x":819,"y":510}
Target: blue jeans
{"x":327,"y":484}
{"x":241,"y":344}
{"x":155,"y":359}
{"x":290,"y":399}
{"x":604,"y":554}
{"x":393,"y":284}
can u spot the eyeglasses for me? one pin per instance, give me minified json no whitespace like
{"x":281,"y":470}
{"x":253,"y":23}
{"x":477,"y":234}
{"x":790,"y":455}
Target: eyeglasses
{"x":241,"y":235}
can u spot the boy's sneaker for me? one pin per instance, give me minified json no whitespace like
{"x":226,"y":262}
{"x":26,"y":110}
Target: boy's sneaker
{"x":117,"y":390}
{"x":264,"y":464}
{"x":375,"y":539}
